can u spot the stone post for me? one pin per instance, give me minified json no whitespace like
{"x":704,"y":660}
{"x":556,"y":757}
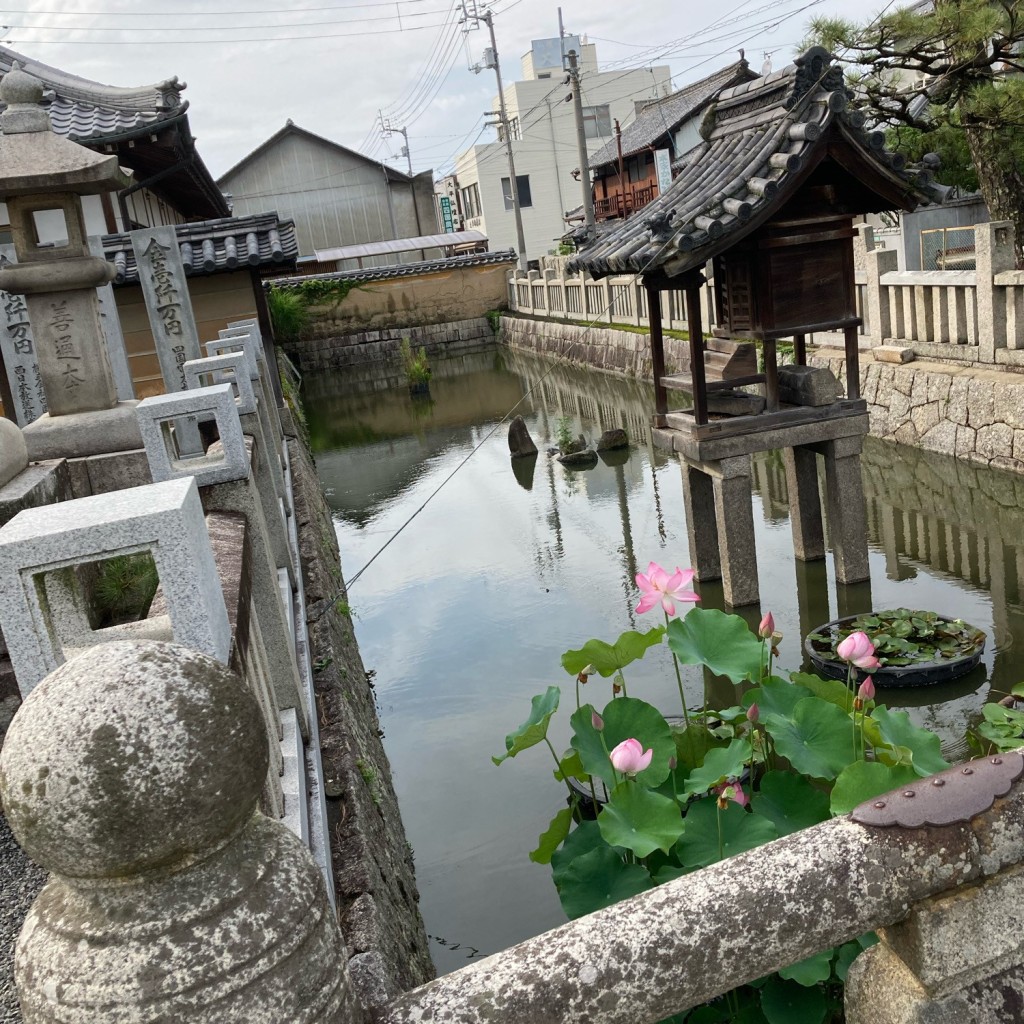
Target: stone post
{"x":876,"y":295}
{"x":804,"y":503}
{"x":133,"y":774}
{"x":13,"y":453}
{"x":847,"y":515}
{"x":994,"y":253}
{"x":957,"y":957}
{"x":42,"y":179}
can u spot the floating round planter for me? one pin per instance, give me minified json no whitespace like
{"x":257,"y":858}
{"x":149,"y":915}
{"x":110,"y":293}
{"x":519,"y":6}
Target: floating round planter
{"x":916,"y":648}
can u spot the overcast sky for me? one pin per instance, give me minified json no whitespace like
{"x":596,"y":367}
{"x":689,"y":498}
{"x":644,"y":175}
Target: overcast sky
{"x":329,"y":65}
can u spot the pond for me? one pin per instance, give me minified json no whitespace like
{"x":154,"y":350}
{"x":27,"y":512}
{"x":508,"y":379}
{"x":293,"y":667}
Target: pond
{"x":466,"y":613}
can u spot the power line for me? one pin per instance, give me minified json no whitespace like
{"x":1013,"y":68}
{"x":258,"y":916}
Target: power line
{"x":218,"y":42}
{"x":63,"y":13}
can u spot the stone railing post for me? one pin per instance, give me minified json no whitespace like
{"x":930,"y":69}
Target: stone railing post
{"x":876,"y":297}
{"x":994,"y":254}
{"x":132,"y":773}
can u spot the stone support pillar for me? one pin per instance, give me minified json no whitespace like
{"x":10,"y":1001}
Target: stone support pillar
{"x":804,"y":503}
{"x":725,"y":549}
{"x":847,"y":516}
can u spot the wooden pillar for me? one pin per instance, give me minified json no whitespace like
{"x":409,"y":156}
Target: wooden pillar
{"x":852,"y":363}
{"x":771,"y":376}
{"x":657,"y":353}
{"x":696,"y":332}
{"x":800,"y":349}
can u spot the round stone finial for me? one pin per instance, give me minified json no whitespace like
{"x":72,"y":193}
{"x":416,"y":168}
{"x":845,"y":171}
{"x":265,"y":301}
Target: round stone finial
{"x":133,"y":756}
{"x":18,"y":86}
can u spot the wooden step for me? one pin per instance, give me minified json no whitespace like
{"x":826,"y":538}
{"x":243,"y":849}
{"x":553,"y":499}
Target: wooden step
{"x":684,"y":382}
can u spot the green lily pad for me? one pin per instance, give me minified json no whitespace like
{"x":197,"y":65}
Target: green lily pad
{"x":608,"y":659}
{"x":598,"y":879}
{"x":776,"y":696}
{"x":535,"y":729}
{"x":863,"y":780}
{"x":809,"y":972}
{"x":741,"y":831}
{"x":724,"y":643}
{"x":624,"y":718}
{"x":720,"y":764}
{"x":639,"y":820}
{"x":584,"y":838}
{"x":551,"y":839}
{"x":896,"y":729}
{"x":817,"y":739}
{"x":790,"y":802}
{"x":786,"y":1002}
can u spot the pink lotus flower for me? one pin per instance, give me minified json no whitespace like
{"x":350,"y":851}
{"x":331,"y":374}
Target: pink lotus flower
{"x":629,"y":757}
{"x":753,"y":713}
{"x":657,"y":585}
{"x":731,"y":791}
{"x":767,"y":627}
{"x":866,"y":691}
{"x":858,"y":650}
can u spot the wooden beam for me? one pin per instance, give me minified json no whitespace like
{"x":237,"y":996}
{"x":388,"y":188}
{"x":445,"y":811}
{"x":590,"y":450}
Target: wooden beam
{"x":852,"y":363}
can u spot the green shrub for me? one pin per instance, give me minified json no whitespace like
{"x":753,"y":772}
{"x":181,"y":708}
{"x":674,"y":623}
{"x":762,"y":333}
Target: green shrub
{"x":415,"y":364}
{"x":288,"y":313}
{"x":124,"y":589}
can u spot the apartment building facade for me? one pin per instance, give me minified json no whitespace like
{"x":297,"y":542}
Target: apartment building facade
{"x":542,"y":127}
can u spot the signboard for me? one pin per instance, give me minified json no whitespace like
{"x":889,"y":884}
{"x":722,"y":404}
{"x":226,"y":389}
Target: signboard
{"x":447,"y":220}
{"x":663,"y":165}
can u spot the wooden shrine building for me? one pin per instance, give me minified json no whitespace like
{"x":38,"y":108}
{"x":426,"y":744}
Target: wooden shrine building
{"x":768,"y":199}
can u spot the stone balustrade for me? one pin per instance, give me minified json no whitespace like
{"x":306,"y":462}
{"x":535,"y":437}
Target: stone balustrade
{"x":940,"y":897}
{"x":974,"y":316}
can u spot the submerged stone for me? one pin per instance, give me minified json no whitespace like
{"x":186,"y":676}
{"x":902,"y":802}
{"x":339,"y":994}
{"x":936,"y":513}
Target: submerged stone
{"x":520,"y":444}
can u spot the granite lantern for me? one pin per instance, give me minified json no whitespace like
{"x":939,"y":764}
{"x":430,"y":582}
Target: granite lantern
{"x":42,"y":179}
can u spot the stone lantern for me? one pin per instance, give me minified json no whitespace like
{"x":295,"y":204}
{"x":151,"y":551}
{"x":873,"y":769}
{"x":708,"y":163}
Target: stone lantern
{"x":42,"y":179}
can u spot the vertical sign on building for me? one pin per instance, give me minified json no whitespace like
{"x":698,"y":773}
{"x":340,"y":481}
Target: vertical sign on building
{"x":663,"y":166}
{"x":165,"y":289}
{"x":446,"y":214}
{"x":19,"y":355}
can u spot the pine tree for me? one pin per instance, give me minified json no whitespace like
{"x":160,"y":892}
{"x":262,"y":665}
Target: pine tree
{"x":947,"y":75}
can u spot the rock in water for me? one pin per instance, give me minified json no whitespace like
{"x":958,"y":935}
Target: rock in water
{"x":519,"y":441}
{"x":612,"y":439}
{"x":585,"y":459}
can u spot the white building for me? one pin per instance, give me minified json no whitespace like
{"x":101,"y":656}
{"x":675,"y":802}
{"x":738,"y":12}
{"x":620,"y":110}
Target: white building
{"x":543,"y":129}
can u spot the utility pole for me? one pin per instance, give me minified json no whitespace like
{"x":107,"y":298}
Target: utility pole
{"x":581,"y":142}
{"x":491,"y":59}
{"x":622,"y":183}
{"x":385,"y":126}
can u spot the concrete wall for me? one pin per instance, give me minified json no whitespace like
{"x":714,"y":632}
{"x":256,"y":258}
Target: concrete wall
{"x":969,"y":412}
{"x":361,"y":348}
{"x":435,"y":298}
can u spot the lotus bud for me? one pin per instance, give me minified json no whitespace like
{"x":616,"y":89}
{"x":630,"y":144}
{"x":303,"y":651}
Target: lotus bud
{"x":767,"y":626}
{"x":753,"y":713}
{"x":596,"y":721}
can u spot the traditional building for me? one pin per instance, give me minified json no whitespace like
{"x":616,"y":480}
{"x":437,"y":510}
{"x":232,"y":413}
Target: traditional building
{"x":624,"y":169}
{"x":544,"y":143}
{"x":335,"y":196}
{"x":768,"y":199}
{"x":147,"y":129}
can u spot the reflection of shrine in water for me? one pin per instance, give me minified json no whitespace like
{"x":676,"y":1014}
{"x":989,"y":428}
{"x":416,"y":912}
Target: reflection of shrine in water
{"x":927,"y":511}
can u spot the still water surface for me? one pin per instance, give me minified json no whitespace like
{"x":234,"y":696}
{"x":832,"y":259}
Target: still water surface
{"x":466,"y":614}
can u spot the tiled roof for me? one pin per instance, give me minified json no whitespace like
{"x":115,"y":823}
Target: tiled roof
{"x":212,"y":246}
{"x":84,"y":110}
{"x":762,"y":140}
{"x":666,"y":115}
{"x":476,"y":259}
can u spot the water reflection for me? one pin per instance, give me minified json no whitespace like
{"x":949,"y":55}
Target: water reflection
{"x":466,"y":615}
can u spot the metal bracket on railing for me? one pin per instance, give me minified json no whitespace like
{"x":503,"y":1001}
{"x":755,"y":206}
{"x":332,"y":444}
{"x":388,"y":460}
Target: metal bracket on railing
{"x":955,"y":795}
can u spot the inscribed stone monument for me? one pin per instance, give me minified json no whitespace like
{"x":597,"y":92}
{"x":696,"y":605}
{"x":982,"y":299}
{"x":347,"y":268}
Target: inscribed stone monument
{"x":165,"y":289}
{"x":19,"y":356}
{"x":42,"y":178}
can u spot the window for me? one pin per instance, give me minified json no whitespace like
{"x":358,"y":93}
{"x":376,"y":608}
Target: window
{"x":597,"y":122}
{"x":522,"y":187}
{"x":470,"y":201}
